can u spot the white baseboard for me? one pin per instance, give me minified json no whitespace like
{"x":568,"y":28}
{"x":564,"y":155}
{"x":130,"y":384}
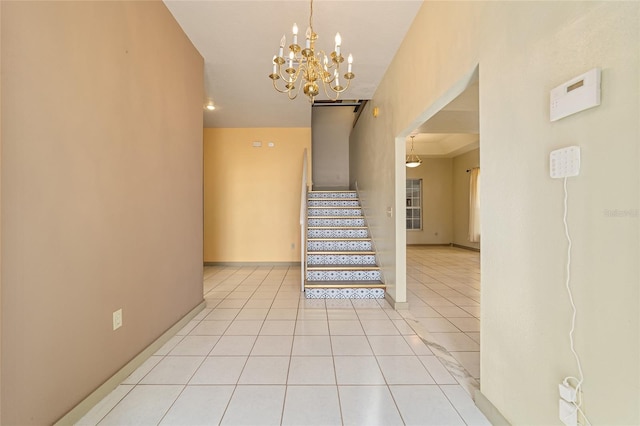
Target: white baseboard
{"x":96,"y":396}
{"x":396,"y":305}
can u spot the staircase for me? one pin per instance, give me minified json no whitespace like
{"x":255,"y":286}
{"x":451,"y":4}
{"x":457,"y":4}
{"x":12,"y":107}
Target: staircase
{"x":340,"y":259}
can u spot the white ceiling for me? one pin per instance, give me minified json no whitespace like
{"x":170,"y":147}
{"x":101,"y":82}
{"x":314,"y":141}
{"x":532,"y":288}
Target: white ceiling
{"x":239,"y":38}
{"x":453,"y":130}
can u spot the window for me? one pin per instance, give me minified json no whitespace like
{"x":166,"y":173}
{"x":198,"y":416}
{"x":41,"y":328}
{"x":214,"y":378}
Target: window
{"x":414,"y":204}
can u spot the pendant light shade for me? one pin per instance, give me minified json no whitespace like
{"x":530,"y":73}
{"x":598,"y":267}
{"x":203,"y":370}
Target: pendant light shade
{"x":412,"y":159}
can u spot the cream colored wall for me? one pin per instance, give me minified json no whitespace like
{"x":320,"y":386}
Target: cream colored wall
{"x":252,"y":195}
{"x":101,"y":194}
{"x":461,"y":164}
{"x":331,"y":127}
{"x":524,"y":50}
{"x":437,"y":213}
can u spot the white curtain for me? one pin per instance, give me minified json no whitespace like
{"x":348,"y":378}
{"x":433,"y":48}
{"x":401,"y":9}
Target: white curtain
{"x":474,"y":205}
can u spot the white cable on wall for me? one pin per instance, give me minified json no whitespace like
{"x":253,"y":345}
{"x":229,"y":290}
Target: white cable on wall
{"x":579,"y":380}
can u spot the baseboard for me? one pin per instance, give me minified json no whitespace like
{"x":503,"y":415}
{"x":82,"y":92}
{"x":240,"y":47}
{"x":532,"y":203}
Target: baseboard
{"x":465,"y":247}
{"x":252,"y":263}
{"x":96,"y":396}
{"x":489,"y":410}
{"x":396,"y":305}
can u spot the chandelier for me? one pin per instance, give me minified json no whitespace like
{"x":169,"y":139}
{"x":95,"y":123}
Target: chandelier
{"x":412,"y":159}
{"x":306,"y":68}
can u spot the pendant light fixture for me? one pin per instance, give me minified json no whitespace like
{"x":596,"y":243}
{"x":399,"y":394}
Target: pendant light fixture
{"x":412,"y":159}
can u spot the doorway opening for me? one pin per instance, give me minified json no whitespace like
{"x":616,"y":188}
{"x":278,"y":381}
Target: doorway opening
{"x":442,"y":242}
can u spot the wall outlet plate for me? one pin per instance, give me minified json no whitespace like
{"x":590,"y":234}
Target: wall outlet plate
{"x":117,"y":319}
{"x":564,"y":162}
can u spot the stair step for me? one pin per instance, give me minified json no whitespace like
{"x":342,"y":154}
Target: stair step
{"x":357,"y":274}
{"x":332,"y":194}
{"x":338,"y":233}
{"x":342,"y":211}
{"x":344,"y":284}
{"x":344,"y":267}
{"x":341,"y":258}
{"x":363,"y":244}
{"x":332,"y":202}
{"x":339,"y":239}
{"x":342,"y":253}
{"x":336,"y":227}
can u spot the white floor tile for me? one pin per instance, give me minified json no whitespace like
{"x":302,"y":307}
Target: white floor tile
{"x":144,"y":405}
{"x":311,"y":346}
{"x":195,"y":345}
{"x":404,"y":370}
{"x":173,"y":370}
{"x":268,"y":370}
{"x":403,"y":327}
{"x":384,"y":327}
{"x":417,"y":345}
{"x":465,"y":405}
{"x":282,"y":314}
{"x":266,"y":404}
{"x":171,"y":343}
{"x":187,"y":328}
{"x":466,"y":324}
{"x":345,"y":328}
{"x":252,"y":314}
{"x":311,"y":405}
{"x":368,"y":405}
{"x":436,"y":325}
{"x":438,"y":371}
{"x":358,"y":370}
{"x":456,"y":342}
{"x":142,"y":371}
{"x":233,"y":346}
{"x":222,"y":314}
{"x":470,"y":361}
{"x":199,"y":405}
{"x":102,"y":408}
{"x":452,"y":311}
{"x":350,"y":345}
{"x":342,"y":314}
{"x":244,"y":328}
{"x":210,"y":328}
{"x":278,"y":328}
{"x":474,"y":336}
{"x":272,"y":345}
{"x":311,"y":370}
{"x":219,"y":370}
{"x":425,"y":405}
{"x":312,"y":328}
{"x":389,"y":345}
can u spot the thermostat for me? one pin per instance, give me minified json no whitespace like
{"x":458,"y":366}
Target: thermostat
{"x":577,"y":94}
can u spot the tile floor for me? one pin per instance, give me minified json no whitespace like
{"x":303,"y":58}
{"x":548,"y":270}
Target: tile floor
{"x":261,"y":354}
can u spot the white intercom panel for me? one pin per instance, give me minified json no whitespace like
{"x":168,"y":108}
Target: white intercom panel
{"x":577,"y":94}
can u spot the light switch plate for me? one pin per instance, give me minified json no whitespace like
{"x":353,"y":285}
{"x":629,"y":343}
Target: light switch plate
{"x":565,"y":162}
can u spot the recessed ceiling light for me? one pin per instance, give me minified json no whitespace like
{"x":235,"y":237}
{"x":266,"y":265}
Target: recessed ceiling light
{"x":211,"y":107}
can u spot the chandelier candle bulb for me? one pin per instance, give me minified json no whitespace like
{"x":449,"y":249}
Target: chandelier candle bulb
{"x":338,"y":42}
{"x":350,"y":61}
{"x":275,"y":66}
{"x":283,"y":41}
{"x":308,"y":42}
{"x":295,"y":34}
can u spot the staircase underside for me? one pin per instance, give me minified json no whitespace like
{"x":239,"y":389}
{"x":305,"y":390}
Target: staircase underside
{"x":340,"y":261}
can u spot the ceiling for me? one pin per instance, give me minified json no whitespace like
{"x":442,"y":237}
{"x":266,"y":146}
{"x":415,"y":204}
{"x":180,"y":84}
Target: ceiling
{"x":453,"y":130}
{"x":239,"y":38}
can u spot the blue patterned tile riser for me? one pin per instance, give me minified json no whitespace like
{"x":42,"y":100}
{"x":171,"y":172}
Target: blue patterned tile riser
{"x":340,"y":259}
{"x":334,"y":212}
{"x":343,"y":275}
{"x":339,"y":245}
{"x":346,"y":194}
{"x":332,"y":203}
{"x":337,"y":233}
{"x":344,"y":293}
{"x":355,"y":221}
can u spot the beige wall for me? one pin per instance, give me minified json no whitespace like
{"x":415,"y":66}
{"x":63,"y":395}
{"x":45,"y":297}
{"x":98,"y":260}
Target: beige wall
{"x":331,"y":127}
{"x":524,"y":49}
{"x":461,"y":164}
{"x":101,"y":194}
{"x":437,"y":214}
{"x":252,"y":195}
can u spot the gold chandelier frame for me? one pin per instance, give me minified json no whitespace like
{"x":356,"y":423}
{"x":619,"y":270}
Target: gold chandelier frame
{"x":314,"y":69}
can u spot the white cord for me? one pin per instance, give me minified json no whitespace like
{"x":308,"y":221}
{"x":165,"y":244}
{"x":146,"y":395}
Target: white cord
{"x":573,"y":306}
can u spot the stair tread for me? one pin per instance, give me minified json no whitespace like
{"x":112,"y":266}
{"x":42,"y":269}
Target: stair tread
{"x":335,"y":227}
{"x":343,"y":267}
{"x":341,"y":239}
{"x":330,"y":252}
{"x":335,"y":217}
{"x":344,"y":284}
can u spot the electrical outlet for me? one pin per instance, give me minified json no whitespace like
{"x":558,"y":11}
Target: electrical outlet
{"x":568,"y":413}
{"x":117,"y":319}
{"x":565,"y":162}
